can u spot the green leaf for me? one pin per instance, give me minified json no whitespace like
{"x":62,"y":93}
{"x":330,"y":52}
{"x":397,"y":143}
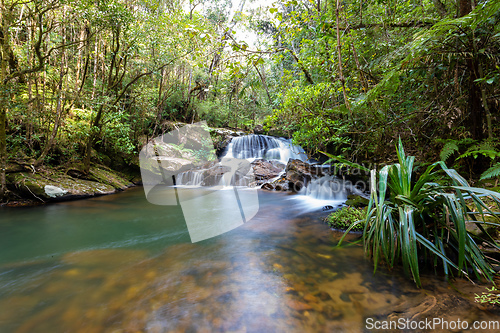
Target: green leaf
{"x":492,"y":172}
{"x":343,"y":160}
{"x":448,"y":150}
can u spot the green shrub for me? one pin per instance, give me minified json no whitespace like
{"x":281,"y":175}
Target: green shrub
{"x":423,"y":221}
{"x":343,"y":218}
{"x":312,"y":114}
{"x":215,"y":112}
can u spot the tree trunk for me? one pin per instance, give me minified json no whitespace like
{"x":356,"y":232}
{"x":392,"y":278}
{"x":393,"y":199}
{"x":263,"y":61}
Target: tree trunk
{"x":342,"y":79}
{"x":57,"y":120}
{"x":302,"y":67}
{"x":440,"y":7}
{"x":92,"y":136}
{"x":59,"y":106}
{"x":464,"y":7}
{"x":475,"y":118}
{"x":4,"y":97}
{"x":489,"y":126}
{"x":475,"y":108}
{"x":3,"y":146}
{"x":262,"y":78}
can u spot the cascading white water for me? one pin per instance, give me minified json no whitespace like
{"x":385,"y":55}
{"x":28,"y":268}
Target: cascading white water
{"x":263,"y":146}
{"x":249,"y":147}
{"x":326,"y":188}
{"x":319,"y":192}
{"x":324,"y":192}
{"x":192,"y":177}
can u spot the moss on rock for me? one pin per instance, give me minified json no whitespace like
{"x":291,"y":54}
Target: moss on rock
{"x":108,"y":177}
{"x":55,"y":185}
{"x":357,"y":201}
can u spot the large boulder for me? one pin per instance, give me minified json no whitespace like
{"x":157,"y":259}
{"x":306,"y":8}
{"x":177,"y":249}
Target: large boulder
{"x":51,"y":185}
{"x":221,"y":138}
{"x":221,"y":143}
{"x":265,"y":170}
{"x":214,"y":172}
{"x":268,"y":187}
{"x":299,"y":173}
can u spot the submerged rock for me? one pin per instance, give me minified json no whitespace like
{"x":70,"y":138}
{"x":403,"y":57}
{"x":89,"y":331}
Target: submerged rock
{"x":215,"y":171}
{"x":297,"y":305}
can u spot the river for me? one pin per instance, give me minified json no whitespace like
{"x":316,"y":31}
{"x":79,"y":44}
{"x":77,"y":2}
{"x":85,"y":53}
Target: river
{"x":119,"y":264}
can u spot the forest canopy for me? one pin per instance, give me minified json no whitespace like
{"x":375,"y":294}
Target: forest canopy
{"x":85,"y":82}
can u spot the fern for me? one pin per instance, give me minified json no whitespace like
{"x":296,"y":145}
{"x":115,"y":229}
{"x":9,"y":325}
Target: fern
{"x":488,"y":144}
{"x":475,"y":153}
{"x":492,"y":172}
{"x":486,"y":148}
{"x":448,"y":150}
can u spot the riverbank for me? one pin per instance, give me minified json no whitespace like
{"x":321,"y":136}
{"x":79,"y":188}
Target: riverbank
{"x":30,"y":186}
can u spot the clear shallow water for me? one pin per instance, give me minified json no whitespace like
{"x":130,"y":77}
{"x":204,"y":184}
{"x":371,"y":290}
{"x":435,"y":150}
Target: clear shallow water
{"x":119,"y":264}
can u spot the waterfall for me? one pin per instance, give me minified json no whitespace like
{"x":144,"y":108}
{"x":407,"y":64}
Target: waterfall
{"x":192,"y":177}
{"x":324,"y":192}
{"x":249,"y":147}
{"x":326,"y":188}
{"x":264,"y":146}
{"x":319,"y":192}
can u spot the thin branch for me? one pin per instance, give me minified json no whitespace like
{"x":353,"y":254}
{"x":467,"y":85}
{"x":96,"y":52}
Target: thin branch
{"x":134,"y":80}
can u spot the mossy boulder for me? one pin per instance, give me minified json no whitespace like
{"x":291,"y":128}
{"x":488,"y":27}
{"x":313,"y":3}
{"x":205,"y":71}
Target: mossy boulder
{"x":108,"y":177}
{"x":54,"y":185}
{"x":343,"y":218}
{"x":357,"y":201}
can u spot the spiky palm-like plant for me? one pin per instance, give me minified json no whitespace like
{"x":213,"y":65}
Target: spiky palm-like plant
{"x":424,"y":220}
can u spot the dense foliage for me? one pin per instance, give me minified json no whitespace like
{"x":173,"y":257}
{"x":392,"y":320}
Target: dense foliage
{"x":91,"y":81}
{"x":423,"y":222}
{"x":361,"y":74}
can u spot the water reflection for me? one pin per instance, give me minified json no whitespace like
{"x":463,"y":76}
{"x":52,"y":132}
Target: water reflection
{"x":277,"y":273}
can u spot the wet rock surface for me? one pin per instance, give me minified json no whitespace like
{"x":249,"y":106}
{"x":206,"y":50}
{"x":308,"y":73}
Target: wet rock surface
{"x":297,"y":175}
{"x":222,"y":137}
{"x":265,"y":170}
